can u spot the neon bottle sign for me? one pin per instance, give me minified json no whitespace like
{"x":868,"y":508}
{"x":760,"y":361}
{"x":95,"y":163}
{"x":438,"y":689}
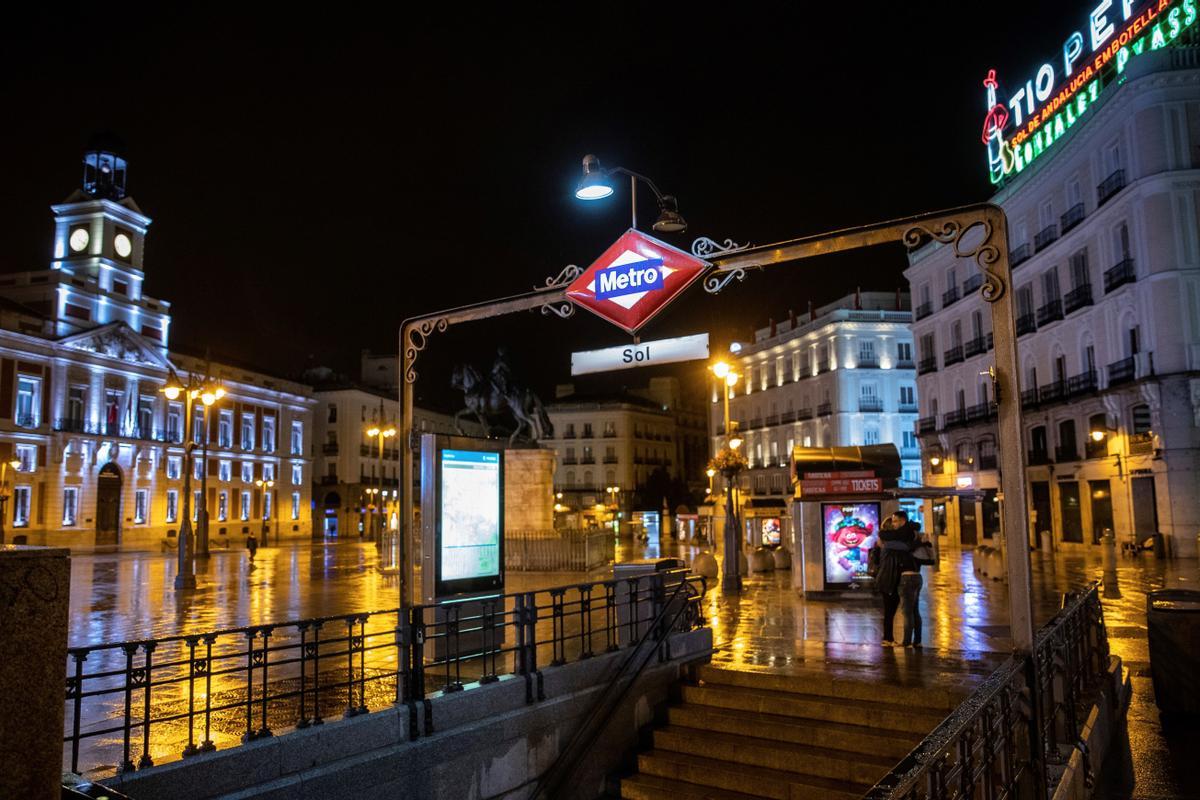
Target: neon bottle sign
{"x":1048,"y":104}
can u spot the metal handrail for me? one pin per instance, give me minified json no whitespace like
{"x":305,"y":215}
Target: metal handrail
{"x":147,"y":699}
{"x":997,"y":742}
{"x":603,"y":708}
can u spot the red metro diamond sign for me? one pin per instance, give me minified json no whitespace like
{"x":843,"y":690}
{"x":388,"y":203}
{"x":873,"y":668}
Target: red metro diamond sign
{"x":634,"y":279}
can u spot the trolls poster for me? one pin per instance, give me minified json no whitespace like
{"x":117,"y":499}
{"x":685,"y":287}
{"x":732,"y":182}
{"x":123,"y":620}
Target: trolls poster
{"x":850,"y":532}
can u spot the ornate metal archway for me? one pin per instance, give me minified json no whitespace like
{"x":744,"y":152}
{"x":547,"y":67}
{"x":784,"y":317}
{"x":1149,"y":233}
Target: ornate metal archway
{"x":977,"y":232}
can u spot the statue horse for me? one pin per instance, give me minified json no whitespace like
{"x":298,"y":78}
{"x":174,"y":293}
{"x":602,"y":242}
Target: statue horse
{"x":485,"y":400}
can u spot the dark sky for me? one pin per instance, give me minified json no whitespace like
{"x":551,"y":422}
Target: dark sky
{"x":315,"y":177}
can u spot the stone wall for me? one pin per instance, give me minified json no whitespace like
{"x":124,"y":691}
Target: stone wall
{"x":529,"y":490}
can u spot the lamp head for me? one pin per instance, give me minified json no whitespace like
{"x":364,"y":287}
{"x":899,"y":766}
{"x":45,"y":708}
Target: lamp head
{"x":735,"y":442}
{"x":172,"y":388}
{"x":15,"y":464}
{"x":1097,"y":436}
{"x":710,"y":472}
{"x":208,"y":397}
{"x":935,"y":460}
{"x":593,"y":184}
{"x":219,"y":392}
{"x":731,"y":379}
{"x":389,"y":432}
{"x":669,"y":219}
{"x":720,"y":369}
{"x":372,"y":431}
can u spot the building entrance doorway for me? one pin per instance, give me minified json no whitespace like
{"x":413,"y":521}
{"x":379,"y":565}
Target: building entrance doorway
{"x":1145,"y":508}
{"x":1041,"y":522}
{"x":968,"y":533}
{"x":1102,"y":510}
{"x":329,"y":517}
{"x":108,"y":505}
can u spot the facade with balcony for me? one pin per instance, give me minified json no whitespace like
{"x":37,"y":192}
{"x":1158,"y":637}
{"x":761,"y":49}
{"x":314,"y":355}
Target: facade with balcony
{"x":83,"y":358}
{"x":1107,"y":292}
{"x":846,"y":375}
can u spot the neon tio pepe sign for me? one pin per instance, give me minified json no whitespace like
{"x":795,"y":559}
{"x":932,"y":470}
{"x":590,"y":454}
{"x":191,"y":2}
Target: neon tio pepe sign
{"x":1046,"y":105}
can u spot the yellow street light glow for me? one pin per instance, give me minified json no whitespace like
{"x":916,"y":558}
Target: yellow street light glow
{"x":208,"y":397}
{"x":372,"y":431}
{"x":935,"y":460}
{"x":731,"y":379}
{"x":172,"y":392}
{"x":1097,"y":436}
{"x":15,"y":464}
{"x":389,"y":432}
{"x":710,"y":472}
{"x":735,"y":442}
{"x":219,"y":392}
{"x":720,"y":369}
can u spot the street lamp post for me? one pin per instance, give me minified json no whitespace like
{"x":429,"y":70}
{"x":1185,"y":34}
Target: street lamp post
{"x":595,"y":185}
{"x":729,"y":461}
{"x":267,"y":486}
{"x":208,"y":391}
{"x":382,"y":433}
{"x":4,"y":491}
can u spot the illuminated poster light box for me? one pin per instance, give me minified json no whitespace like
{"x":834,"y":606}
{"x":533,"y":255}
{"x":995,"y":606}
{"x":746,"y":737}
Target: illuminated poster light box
{"x":1063,"y":89}
{"x":462,"y":505}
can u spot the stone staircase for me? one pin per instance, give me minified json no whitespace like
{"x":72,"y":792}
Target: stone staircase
{"x":807,"y":735}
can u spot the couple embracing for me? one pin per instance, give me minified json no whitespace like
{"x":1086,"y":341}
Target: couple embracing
{"x":896,"y":563}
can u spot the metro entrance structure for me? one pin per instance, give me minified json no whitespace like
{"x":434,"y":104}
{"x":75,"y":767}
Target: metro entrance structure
{"x":977,"y":232}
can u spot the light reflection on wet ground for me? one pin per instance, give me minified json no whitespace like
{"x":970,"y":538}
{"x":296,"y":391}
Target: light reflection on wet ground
{"x":129,"y":596}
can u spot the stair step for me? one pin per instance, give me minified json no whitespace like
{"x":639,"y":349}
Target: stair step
{"x":815,"y":732}
{"x":821,"y":707}
{"x":730,"y":776}
{"x":944,"y":698}
{"x":653,"y":787}
{"x":857,"y":767}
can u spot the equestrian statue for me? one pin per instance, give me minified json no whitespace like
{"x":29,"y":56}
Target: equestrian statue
{"x":489,"y":397}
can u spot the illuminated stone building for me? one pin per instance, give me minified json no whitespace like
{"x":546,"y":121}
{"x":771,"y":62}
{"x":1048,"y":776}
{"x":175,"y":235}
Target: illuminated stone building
{"x":84,"y":353}
{"x":842,"y":376}
{"x":1106,"y":273}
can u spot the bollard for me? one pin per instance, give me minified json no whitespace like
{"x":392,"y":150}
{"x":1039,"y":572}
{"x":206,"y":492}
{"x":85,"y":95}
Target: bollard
{"x":34,"y":586}
{"x":1109,"y":540}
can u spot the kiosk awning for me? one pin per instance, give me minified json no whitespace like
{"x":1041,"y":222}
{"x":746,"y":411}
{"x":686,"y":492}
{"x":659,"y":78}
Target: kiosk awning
{"x":883,"y":460}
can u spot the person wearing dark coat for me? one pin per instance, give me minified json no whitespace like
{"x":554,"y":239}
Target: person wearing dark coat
{"x":896,"y":539}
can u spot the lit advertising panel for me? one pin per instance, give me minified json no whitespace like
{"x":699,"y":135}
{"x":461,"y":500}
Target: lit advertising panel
{"x":471,"y":521}
{"x":772,"y":530}
{"x":850,"y":530}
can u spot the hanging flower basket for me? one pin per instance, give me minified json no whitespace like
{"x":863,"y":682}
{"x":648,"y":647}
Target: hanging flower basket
{"x":728,"y":462}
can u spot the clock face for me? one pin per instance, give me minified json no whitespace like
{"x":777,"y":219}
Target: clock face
{"x":122,"y":245}
{"x":79,"y":240}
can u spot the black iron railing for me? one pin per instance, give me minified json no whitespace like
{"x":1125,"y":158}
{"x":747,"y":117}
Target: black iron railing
{"x":824,"y":409}
{"x":1110,"y":186}
{"x":927,"y":425}
{"x":999,"y":743}
{"x":1045,"y":237}
{"x":1021,"y":254}
{"x":1119,"y":275}
{"x":870,"y":404}
{"x":1026,"y":323}
{"x":1079,"y":297}
{"x":972,"y":284}
{"x":952,"y":418}
{"x":1072,"y":218}
{"x":1049,"y":312}
{"x":974,"y":347}
{"x":929,"y":364}
{"x":1122,"y":371}
{"x":950,"y":296}
{"x":953,"y":355}
{"x":923,"y":310}
{"x":138,"y":703}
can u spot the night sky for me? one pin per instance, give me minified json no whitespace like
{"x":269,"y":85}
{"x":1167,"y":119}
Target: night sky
{"x":316,"y":178}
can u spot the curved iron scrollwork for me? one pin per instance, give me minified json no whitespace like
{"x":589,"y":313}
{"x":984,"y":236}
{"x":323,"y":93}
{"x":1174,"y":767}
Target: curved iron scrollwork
{"x":569,"y":273}
{"x":703,"y":247}
{"x":714,"y":283}
{"x":561,"y":309}
{"x":418,"y":337}
{"x":984,"y":252}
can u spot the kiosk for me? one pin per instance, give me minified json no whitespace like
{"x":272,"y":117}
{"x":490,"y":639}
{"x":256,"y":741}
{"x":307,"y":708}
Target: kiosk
{"x":841,"y":496}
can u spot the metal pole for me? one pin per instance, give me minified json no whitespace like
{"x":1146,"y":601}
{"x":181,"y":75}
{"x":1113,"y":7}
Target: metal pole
{"x":3,"y":496}
{"x":202,"y":508}
{"x":185,"y":577}
{"x":633,"y":202}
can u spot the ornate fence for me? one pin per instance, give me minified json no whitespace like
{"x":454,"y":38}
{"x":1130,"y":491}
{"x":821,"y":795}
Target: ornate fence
{"x":1023,"y":719}
{"x":558,"y":550}
{"x":131,"y":705}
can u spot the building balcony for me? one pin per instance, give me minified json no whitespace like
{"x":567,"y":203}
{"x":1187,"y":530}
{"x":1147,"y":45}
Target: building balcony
{"x":910,"y":452}
{"x":570,"y":461}
{"x":867,"y":363}
{"x":926,"y":425}
{"x":1141,"y":444}
{"x":950,"y":296}
{"x":975,"y":346}
{"x":1029,"y":397}
{"x":610,"y":459}
{"x":772,"y":421}
{"x":824,"y":409}
{"x":1026,"y":323}
{"x":907,"y":408}
{"x":922,"y":311}
{"x":756,"y":422}
{"x":1037,"y":458}
{"x":1052,"y":392}
{"x":1110,"y":186}
{"x":1045,"y":237}
{"x":927,"y":365}
{"x":1119,"y":275}
{"x":609,"y":435}
{"x":1050,"y":312}
{"x":952,"y":418}
{"x":952,"y":356}
{"x":981,"y":411}
{"x":1073,"y":217}
{"x":787,"y":417}
{"x":1084,"y":383}
{"x":804,"y":413}
{"x":972,"y":284}
{"x":870,"y":405}
{"x":822,"y":366}
{"x":1064,"y":454}
{"x":328,"y":449}
{"x":1123,"y":371}
{"x":569,"y":433}
{"x":905,"y":363}
{"x":1093,"y":449}
{"x":1077,"y":298}
{"x":1019,"y":255}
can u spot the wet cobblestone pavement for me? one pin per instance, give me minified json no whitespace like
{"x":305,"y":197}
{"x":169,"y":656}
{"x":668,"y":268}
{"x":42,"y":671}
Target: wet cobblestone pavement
{"x":118,"y":597}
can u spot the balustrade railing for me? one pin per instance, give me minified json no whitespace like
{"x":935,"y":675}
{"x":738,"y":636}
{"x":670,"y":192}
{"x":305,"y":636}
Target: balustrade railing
{"x":1003,"y":740}
{"x":131,"y":705}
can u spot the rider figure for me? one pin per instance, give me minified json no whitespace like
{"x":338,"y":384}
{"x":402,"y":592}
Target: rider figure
{"x":501,"y":372}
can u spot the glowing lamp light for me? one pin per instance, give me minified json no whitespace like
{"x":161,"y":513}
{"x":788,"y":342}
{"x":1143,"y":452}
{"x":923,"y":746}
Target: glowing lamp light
{"x":208,"y":397}
{"x":15,"y":464}
{"x":594,"y":184}
{"x":935,"y":460}
{"x":390,"y":432}
{"x":710,"y":472}
{"x":172,"y":392}
{"x":731,"y":379}
{"x":372,"y":432}
{"x":720,"y":369}
{"x":735,"y":442}
{"x":1097,"y":436}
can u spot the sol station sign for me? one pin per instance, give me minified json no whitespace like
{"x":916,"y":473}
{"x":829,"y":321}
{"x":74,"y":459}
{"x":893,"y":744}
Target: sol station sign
{"x":634,"y":279}
{"x":1062,"y":90}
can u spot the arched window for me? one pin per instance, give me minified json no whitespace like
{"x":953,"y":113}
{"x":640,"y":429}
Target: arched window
{"x":987,"y":453}
{"x":963,"y":457}
{"x":1039,"y":446}
{"x":1068,"y":446}
{"x":1140,"y":419}
{"x":1095,"y":444}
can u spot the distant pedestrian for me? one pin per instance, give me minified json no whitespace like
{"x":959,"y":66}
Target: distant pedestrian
{"x":252,"y":546}
{"x":911,"y":583}
{"x":895,"y":558}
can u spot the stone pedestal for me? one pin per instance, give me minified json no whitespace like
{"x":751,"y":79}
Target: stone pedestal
{"x":529,"y":490}
{"x":35,"y":584}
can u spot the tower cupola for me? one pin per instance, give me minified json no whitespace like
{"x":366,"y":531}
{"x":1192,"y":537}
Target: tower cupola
{"x":104,"y":168}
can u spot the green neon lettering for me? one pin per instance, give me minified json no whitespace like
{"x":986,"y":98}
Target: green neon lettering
{"x":1173,"y":21}
{"x":1122,"y":59}
{"x":1157,"y":39}
{"x":1059,"y":130}
{"x":1189,"y":12}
